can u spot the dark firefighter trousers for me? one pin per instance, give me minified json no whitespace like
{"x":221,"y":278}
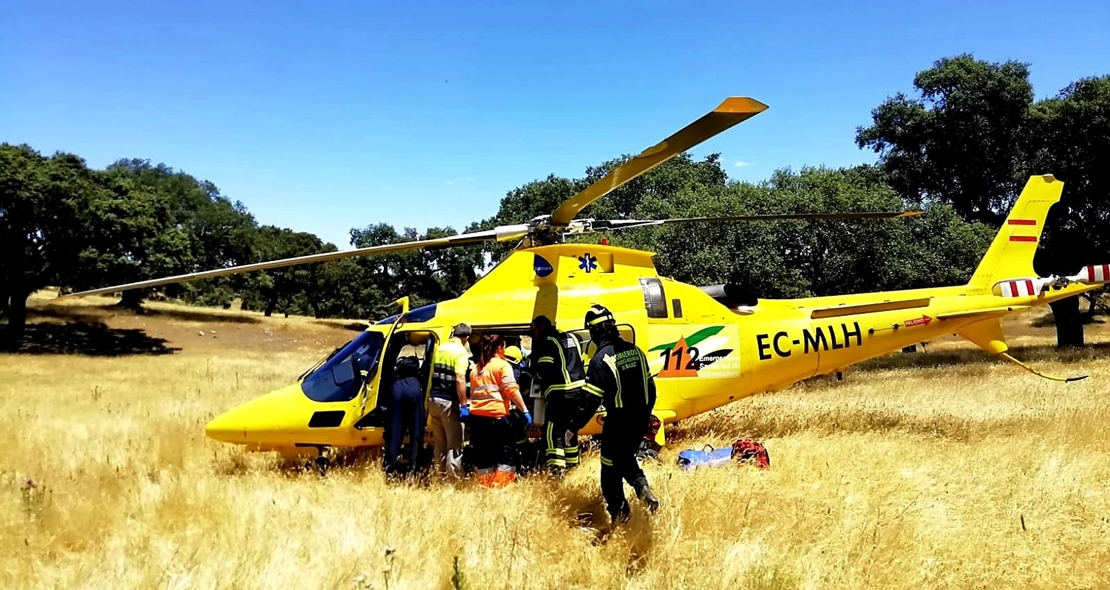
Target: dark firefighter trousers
{"x":567,"y":412}
{"x":621,"y":435}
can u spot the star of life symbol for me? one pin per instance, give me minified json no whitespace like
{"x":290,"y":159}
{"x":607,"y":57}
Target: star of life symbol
{"x":587,"y":262}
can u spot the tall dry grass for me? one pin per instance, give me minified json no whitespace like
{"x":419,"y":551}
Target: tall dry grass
{"x":909,"y":474}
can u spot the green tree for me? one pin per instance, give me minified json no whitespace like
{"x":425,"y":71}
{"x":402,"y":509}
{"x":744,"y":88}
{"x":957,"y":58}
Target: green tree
{"x":974,"y":137}
{"x":960,"y":141}
{"x":205,"y":230}
{"x":798,"y":258}
{"x":41,"y":204}
{"x":277,"y":288}
{"x":1070,"y":137}
{"x":425,"y":276}
{"x":128,"y":235}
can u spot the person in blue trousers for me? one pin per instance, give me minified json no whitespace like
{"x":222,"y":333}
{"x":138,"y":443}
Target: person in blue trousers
{"x":406,"y":416}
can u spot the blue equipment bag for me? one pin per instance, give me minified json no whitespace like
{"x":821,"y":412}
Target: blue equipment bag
{"x":742,"y":450}
{"x":691,"y":459}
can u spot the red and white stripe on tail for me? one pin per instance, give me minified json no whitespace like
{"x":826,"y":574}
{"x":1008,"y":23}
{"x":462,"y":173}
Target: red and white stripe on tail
{"x":1092,"y":275}
{"x":1020,"y":287}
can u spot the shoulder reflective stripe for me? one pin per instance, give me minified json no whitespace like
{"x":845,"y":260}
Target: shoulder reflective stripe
{"x":593,"y":389}
{"x":562,"y":359}
{"x":611,"y":362}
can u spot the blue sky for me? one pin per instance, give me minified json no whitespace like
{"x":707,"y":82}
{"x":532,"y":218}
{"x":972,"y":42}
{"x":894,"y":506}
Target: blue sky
{"x":323,"y":116}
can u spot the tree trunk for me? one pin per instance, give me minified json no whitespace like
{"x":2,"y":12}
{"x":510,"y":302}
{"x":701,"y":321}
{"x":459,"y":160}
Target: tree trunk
{"x":1092,"y":298}
{"x":132,"y":299}
{"x":271,"y":304}
{"x":17,"y":320}
{"x":1069,"y":323}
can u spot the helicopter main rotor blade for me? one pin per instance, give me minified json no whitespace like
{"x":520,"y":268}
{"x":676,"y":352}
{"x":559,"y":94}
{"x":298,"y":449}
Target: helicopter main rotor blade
{"x":499,"y":234}
{"x":732,"y":111}
{"x":630,"y":223}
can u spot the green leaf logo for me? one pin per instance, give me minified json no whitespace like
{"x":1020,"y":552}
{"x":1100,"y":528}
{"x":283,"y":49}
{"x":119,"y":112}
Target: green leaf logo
{"x":694,"y":339}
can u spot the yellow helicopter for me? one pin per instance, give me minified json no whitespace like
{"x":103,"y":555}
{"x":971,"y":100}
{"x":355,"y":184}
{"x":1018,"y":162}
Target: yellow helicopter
{"x":709,"y":346}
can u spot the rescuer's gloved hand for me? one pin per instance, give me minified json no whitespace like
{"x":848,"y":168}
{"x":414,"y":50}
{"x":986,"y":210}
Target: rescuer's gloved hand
{"x":527,"y":418}
{"x":464,"y":413}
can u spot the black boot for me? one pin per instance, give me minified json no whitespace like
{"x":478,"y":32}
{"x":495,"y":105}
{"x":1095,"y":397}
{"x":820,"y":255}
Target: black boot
{"x":621,"y":515}
{"x":649,"y":498}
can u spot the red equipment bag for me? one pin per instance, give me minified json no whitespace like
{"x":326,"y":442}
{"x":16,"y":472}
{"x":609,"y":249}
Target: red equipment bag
{"x":749,"y":450}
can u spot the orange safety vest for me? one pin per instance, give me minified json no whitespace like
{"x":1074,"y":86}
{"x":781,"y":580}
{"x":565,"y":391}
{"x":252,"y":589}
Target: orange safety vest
{"x":492,"y":388}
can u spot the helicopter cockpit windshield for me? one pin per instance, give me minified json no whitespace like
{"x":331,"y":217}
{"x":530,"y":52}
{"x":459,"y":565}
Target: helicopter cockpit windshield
{"x":340,"y":378}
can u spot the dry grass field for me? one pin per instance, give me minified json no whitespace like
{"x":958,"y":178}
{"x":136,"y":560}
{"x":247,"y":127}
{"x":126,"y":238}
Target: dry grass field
{"x":942,"y":469}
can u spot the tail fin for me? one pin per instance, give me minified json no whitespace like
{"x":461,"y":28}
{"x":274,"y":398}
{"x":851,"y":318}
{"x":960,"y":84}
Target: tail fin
{"x":1011,"y":253}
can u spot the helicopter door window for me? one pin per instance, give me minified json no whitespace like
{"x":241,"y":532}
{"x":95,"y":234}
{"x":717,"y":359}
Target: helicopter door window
{"x":340,"y":378}
{"x":677,"y":305}
{"x":417,"y":346}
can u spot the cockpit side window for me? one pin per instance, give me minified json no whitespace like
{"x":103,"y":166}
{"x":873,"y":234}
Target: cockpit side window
{"x":342,"y":376}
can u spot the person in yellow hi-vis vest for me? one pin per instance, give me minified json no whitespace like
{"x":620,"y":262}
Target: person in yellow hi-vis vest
{"x":446,"y":399}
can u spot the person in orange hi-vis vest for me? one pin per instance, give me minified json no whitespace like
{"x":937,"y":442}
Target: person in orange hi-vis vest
{"x":492,"y":388}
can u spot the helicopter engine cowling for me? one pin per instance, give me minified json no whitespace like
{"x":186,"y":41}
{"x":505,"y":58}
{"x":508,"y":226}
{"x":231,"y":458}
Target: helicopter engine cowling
{"x":731,"y":295}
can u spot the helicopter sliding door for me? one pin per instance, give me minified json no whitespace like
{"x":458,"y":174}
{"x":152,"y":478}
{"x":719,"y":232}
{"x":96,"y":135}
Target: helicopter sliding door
{"x":411,"y":346}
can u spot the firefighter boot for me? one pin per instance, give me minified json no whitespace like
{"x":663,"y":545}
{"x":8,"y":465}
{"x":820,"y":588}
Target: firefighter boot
{"x":648,"y":498}
{"x":620,"y":515}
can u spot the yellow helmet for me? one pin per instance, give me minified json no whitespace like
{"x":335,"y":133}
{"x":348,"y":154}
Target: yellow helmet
{"x":513,"y":354}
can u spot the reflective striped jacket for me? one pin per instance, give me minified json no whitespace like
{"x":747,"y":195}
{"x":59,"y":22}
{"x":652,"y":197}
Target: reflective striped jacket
{"x":492,"y":387}
{"x":619,"y":372}
{"x":558,"y":364}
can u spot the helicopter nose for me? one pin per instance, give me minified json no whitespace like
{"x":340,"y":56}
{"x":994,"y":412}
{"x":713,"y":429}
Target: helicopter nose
{"x":261,"y":419}
{"x":231,"y":426}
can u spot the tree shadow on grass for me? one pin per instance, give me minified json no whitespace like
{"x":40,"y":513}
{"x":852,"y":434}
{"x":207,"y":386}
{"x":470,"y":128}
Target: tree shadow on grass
{"x":189,"y":315}
{"x":1049,"y":321}
{"x":974,"y":357}
{"x":86,"y":313}
{"x":89,"y":338}
{"x":353,"y":326}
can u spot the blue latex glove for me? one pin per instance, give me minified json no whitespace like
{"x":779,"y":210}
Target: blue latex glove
{"x":464,"y":413}
{"x":528,"y":418}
